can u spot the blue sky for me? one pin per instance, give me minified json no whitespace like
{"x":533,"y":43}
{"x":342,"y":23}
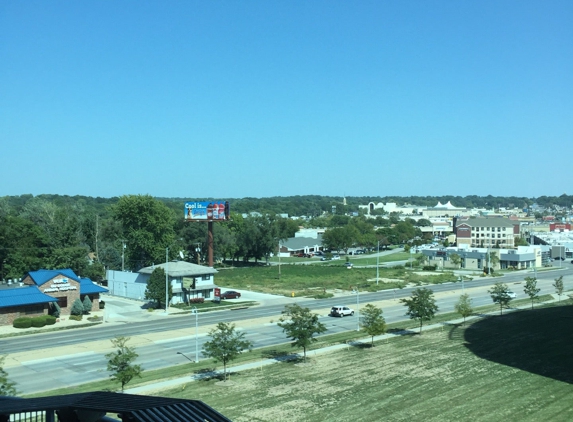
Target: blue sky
{"x":232,"y":99}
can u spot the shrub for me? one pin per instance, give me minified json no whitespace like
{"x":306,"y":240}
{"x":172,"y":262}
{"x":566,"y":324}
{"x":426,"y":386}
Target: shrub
{"x":22,"y":322}
{"x":54,"y":310}
{"x":77,"y":308}
{"x":429,"y":267}
{"x":87,"y":304}
{"x":76,"y":317}
{"x":50,"y":320}
{"x":197,"y":300}
{"x":39,"y":321}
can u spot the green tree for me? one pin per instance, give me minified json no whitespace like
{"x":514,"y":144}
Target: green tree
{"x":87,"y":304}
{"x":120,"y":363}
{"x":148,"y":227}
{"x":456,"y":259}
{"x":340,"y":238}
{"x":464,"y":306}
{"x":373,"y":323}
{"x":7,"y":387}
{"x":300,"y":325}
{"x":492,"y":261}
{"x":225,"y":345}
{"x":77,"y":308}
{"x":155,"y":289}
{"x":531,"y":289}
{"x":420,"y":259}
{"x":558,"y":286}
{"x":500,"y":294}
{"x":421,"y":305}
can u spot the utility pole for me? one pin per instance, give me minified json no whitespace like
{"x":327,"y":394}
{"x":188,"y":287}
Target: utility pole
{"x":123,"y":255}
{"x":377,"y":263}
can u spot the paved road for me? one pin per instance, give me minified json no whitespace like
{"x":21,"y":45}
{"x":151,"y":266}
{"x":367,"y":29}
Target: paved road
{"x":75,"y":359}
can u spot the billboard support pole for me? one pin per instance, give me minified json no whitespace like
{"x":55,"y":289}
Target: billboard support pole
{"x":210,"y":242}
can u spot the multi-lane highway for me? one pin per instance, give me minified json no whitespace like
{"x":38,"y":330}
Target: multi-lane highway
{"x":75,"y":364}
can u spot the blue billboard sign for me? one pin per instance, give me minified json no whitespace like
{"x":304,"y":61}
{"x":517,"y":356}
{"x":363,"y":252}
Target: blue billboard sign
{"x":207,"y":211}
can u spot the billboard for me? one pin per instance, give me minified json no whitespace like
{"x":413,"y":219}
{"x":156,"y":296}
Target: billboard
{"x":207,"y":211}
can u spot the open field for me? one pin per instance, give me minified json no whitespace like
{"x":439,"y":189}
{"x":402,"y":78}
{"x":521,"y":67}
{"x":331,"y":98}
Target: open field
{"x":310,"y":280}
{"x":517,"y":367}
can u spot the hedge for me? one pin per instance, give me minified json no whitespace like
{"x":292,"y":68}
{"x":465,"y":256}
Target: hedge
{"x":22,"y":322}
{"x":39,"y":321}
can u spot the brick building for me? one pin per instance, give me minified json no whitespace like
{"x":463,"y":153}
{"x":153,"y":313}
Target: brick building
{"x":35,"y":293}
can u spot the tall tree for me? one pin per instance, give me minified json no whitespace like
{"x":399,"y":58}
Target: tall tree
{"x":531,"y":289}
{"x":225,"y":345}
{"x":120,"y":362}
{"x":7,"y":387}
{"x":464,"y":306}
{"x":300,"y":325}
{"x":558,"y":286}
{"x":155,"y":289}
{"x":148,"y":228}
{"x":421,"y":306}
{"x":500,"y":295}
{"x":373,"y":323}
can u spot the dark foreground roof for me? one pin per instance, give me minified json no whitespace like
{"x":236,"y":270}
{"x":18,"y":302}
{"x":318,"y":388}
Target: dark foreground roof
{"x":126,"y":407}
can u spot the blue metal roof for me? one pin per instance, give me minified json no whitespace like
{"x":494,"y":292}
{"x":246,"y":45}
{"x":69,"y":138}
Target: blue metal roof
{"x":43,"y":276}
{"x":21,"y":296}
{"x":88,"y":287}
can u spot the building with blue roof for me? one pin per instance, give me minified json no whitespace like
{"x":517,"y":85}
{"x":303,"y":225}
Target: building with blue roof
{"x":17,"y":301}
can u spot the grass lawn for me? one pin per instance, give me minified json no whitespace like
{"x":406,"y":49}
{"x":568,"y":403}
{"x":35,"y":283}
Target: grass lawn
{"x":517,"y":367}
{"x":312,"y":280}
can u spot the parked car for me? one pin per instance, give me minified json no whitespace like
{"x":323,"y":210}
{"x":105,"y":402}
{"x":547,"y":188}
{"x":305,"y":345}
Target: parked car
{"x":341,"y":311}
{"x":230,"y":294}
{"x":349,"y":264}
{"x":335,"y":257}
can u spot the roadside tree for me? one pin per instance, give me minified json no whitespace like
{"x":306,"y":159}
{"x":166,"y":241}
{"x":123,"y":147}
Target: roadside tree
{"x":456,"y":259}
{"x":7,"y":387}
{"x":373,"y":323}
{"x":225,"y":345}
{"x":421,"y":305}
{"x":500,"y":294}
{"x":155,"y":289}
{"x":120,"y":362}
{"x":464,"y":306}
{"x":77,"y":308}
{"x":420,"y":259}
{"x":531,"y":289}
{"x":558,"y":286}
{"x":300,"y":325}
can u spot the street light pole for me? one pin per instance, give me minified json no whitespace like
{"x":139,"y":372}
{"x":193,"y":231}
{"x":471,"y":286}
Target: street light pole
{"x":377,"y":263}
{"x":194,"y":311}
{"x":357,"y":309}
{"x":166,"y":278}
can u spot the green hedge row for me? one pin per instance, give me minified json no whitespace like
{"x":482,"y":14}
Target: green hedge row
{"x":39,"y":321}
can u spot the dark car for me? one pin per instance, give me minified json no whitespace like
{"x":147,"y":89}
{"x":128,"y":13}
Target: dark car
{"x":230,"y":294}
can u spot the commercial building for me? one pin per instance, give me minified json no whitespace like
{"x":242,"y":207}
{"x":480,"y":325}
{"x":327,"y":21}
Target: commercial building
{"x":492,"y":232}
{"x":477,"y":258}
{"x":35,"y":294}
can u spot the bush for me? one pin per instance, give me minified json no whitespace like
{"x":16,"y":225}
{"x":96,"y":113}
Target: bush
{"x":87,"y":303}
{"x":197,"y":300}
{"x":76,"y":317}
{"x":22,"y":322}
{"x":429,"y":267}
{"x":77,"y":308}
{"x":50,"y":320}
{"x":38,"y":322}
{"x":54,"y":310}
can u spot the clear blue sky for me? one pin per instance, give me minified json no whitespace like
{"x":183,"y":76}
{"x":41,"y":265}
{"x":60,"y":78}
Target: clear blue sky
{"x":230,"y":99}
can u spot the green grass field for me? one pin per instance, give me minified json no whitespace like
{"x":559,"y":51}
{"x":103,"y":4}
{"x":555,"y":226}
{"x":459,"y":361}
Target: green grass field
{"x":310,"y":280}
{"x":517,"y":368}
